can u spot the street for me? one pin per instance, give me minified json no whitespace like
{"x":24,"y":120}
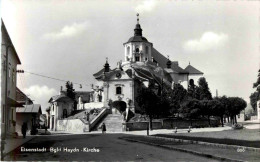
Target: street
{"x":94,"y":147}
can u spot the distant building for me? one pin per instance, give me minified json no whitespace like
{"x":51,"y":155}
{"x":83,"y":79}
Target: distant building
{"x":61,"y":107}
{"x":9,"y":62}
{"x":29,"y":114}
{"x":22,"y":98}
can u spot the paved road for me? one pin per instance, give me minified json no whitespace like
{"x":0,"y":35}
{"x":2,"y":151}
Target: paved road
{"x":110,"y":149}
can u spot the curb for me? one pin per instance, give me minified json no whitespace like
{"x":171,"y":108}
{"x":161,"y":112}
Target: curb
{"x":185,"y":150}
{"x":209,"y":144}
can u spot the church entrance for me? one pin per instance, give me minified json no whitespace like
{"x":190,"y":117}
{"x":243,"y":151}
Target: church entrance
{"x":118,"y":107}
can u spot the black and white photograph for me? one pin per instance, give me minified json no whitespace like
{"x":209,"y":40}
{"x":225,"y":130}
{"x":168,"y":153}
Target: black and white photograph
{"x":130,"y":80}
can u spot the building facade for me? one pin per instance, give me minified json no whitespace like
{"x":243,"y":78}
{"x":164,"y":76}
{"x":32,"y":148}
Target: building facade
{"x":142,"y":64}
{"x":61,"y":107}
{"x":9,"y":62}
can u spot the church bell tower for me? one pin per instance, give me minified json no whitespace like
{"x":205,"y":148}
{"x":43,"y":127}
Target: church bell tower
{"x":137,"y":48}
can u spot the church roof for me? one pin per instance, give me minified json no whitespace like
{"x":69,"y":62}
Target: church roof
{"x":100,"y":72}
{"x":162,"y":61}
{"x":137,"y":39}
{"x":60,"y":98}
{"x":192,"y":70}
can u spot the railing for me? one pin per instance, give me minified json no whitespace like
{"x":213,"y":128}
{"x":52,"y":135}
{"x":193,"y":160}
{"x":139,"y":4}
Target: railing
{"x":98,"y":118}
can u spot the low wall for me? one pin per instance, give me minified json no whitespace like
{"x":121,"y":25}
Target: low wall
{"x":72,"y":125}
{"x":92,"y":105}
{"x":169,"y":124}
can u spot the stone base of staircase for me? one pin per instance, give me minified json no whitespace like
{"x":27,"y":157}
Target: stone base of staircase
{"x":113,"y":123}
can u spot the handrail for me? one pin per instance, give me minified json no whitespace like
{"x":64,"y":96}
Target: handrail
{"x":98,"y":117}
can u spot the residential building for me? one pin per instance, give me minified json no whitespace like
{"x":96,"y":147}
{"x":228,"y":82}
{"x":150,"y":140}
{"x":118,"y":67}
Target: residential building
{"x":9,"y":62}
{"x":30,"y":114}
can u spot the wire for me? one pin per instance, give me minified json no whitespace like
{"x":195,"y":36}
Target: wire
{"x":54,"y":78}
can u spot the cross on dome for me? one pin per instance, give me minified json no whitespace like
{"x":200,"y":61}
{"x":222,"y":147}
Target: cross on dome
{"x":137,"y":18}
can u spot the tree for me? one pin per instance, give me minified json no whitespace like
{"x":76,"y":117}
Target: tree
{"x":190,"y":108}
{"x":148,"y":102}
{"x":177,"y":95}
{"x":192,"y":90}
{"x":236,"y":106}
{"x":218,"y":108}
{"x":254,"y":97}
{"x":71,"y":93}
{"x":203,"y":90}
{"x":223,"y":108}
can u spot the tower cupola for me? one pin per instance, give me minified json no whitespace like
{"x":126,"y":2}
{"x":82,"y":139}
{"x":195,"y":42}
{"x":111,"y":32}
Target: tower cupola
{"x":138,"y":48}
{"x":138,"y":30}
{"x":106,"y":66}
{"x":169,"y":63}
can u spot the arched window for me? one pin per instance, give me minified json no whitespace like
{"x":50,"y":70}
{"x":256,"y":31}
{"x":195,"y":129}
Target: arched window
{"x":65,"y":113}
{"x":137,"y":50}
{"x":128,"y":50}
{"x":191,"y":82}
{"x":146,"y":49}
{"x":118,"y":90}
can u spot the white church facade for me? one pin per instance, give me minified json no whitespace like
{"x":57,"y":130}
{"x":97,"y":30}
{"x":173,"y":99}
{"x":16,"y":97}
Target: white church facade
{"x":142,"y":63}
{"x":118,"y":88}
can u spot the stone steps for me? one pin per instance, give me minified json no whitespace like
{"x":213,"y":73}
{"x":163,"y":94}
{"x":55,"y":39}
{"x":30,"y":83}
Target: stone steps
{"x":113,"y":123}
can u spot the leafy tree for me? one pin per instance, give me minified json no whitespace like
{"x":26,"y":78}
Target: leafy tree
{"x":148,"y":102}
{"x":190,"y":108}
{"x":192,"y":90}
{"x":177,"y":95}
{"x":257,"y":83}
{"x":71,"y":93}
{"x":218,"y":108}
{"x":203,"y":90}
{"x":254,"y":97}
{"x":222,"y":110}
{"x":236,"y":105}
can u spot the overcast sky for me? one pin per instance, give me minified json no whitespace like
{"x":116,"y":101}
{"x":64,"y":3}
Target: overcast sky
{"x":70,"y":40}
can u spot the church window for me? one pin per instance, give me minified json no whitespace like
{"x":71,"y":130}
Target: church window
{"x":137,"y":50}
{"x":128,"y":50}
{"x":118,"y":90}
{"x":137,"y":58}
{"x":65,"y":113}
{"x":191,"y":82}
{"x":146,"y":49}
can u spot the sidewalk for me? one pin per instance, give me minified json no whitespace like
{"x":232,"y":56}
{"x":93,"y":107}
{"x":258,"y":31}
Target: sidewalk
{"x":170,"y":131}
{"x":144,"y":132}
{"x":13,"y":143}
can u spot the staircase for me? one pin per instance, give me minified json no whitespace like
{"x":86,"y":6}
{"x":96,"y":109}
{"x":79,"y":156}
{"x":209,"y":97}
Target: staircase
{"x":113,"y":123}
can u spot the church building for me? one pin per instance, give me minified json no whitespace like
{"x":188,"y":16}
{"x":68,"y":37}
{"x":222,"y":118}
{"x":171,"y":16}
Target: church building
{"x":142,"y":64}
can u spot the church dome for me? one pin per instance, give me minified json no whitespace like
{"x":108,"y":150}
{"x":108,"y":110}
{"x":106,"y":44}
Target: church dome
{"x":137,"y":39}
{"x":137,"y":34}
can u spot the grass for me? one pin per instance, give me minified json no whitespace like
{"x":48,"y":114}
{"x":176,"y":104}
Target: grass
{"x":244,"y":137}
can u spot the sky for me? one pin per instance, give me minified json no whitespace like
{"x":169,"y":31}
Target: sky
{"x":70,"y":40}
